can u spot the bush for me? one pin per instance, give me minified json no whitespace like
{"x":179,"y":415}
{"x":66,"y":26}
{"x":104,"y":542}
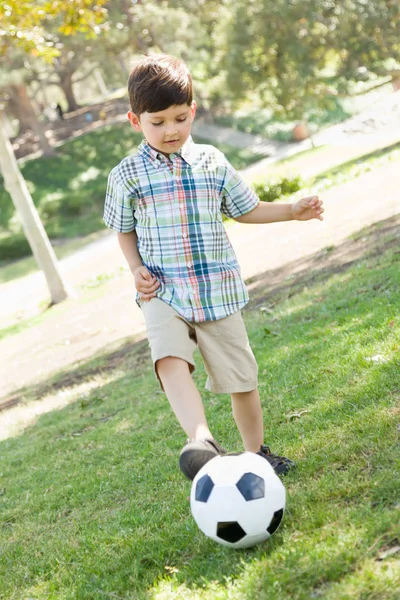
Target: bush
{"x":270,"y":191}
{"x":14,"y":246}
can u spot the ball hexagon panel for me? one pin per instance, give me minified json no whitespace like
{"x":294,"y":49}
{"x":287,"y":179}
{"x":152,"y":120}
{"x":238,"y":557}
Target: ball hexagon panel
{"x":275,"y":521}
{"x":230,"y":531}
{"x":251,"y":486}
{"x":204,"y":487}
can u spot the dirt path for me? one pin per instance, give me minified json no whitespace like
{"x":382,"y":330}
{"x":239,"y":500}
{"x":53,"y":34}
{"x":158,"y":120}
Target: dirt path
{"x":75,"y":330}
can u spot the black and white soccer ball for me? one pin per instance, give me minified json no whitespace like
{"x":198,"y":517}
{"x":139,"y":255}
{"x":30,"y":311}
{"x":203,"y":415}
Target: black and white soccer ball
{"x":238,"y":500}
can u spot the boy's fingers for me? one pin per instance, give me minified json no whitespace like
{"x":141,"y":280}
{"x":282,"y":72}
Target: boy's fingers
{"x":146,"y":274}
{"x":146,"y":297}
{"x":142,"y":290}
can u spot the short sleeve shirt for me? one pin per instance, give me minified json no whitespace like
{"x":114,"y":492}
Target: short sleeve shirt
{"x":176,"y":206}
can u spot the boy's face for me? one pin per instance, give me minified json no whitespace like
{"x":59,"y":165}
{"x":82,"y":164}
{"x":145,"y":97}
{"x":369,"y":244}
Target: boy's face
{"x":165,"y":130}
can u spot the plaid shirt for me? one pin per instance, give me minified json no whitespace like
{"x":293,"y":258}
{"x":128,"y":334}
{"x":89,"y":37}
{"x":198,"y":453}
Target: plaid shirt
{"x":176,"y":205}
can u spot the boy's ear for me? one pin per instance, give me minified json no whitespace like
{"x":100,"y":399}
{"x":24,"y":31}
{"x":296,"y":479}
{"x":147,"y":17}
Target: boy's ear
{"x":193,"y":109}
{"x":134,"y":121}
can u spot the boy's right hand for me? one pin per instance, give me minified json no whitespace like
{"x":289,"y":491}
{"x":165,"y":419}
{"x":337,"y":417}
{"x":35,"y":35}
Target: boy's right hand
{"x":145,"y":282}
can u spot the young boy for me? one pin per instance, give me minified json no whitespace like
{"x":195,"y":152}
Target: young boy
{"x":166,"y":203}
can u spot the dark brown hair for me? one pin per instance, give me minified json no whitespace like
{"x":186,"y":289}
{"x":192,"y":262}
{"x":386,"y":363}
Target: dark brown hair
{"x":158,"y":82}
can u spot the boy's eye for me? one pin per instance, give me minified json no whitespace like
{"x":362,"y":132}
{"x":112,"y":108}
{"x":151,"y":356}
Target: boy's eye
{"x":157,"y":124}
{"x":182,"y":120}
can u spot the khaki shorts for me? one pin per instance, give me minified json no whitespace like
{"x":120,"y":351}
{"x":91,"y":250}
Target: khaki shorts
{"x":223,"y":344}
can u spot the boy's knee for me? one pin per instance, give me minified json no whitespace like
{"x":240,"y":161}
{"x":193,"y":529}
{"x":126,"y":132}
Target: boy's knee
{"x":171,"y":363}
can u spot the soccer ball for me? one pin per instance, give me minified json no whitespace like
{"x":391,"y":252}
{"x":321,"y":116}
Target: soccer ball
{"x":238,"y":500}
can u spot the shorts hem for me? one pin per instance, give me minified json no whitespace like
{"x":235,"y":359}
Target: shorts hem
{"x":231,"y":388}
{"x":191,"y":364}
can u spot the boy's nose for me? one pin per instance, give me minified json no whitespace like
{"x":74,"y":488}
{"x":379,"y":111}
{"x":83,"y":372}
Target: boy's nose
{"x":170,"y":130}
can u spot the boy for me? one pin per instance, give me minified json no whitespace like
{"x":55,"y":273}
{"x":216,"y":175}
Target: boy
{"x":166,"y":203}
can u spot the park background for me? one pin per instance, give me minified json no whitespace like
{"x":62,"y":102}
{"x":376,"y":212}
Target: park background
{"x":303,"y":98}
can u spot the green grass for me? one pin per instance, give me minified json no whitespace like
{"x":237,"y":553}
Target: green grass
{"x":358,"y":166}
{"x":92,"y":504}
{"x":10,"y":270}
{"x":334,"y":175}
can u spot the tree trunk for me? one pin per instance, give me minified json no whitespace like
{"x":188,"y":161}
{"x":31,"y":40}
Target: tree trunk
{"x":67,"y":87}
{"x":33,"y":228}
{"x":24,"y":110}
{"x":15,"y":108}
{"x":100,"y":82}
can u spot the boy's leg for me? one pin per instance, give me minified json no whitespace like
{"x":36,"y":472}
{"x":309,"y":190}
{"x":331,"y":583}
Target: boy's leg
{"x":232,"y":369}
{"x":186,"y":402}
{"x":183,"y":397}
{"x":246,"y":407}
{"x":247,"y":412}
{"x":173,"y":341}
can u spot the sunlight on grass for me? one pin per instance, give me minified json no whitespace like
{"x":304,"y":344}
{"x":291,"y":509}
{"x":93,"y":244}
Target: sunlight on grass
{"x":18,"y":418}
{"x":89,"y":175}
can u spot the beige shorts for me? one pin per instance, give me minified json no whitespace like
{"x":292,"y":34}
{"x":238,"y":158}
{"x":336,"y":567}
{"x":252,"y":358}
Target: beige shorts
{"x":223,"y":344}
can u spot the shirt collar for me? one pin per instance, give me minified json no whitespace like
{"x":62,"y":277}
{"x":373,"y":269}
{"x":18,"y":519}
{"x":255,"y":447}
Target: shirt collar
{"x":186,"y":152}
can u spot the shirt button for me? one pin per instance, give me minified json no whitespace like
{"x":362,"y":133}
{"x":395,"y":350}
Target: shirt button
{"x":189,"y":265}
{"x":184,"y":235}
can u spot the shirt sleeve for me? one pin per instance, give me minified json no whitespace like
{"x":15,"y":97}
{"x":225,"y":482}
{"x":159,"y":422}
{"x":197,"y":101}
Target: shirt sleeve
{"x":118,"y":209}
{"x":237,"y":197}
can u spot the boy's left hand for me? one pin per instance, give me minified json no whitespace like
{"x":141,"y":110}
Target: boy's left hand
{"x":308,"y":208}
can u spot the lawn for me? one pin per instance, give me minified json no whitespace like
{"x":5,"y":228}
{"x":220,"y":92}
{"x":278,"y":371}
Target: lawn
{"x":92,"y":504}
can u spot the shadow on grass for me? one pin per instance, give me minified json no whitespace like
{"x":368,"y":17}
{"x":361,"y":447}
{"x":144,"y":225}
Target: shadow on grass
{"x":133,"y":353}
{"x":285,"y":282}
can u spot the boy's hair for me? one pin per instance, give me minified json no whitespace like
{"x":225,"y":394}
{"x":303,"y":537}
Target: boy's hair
{"x":158,"y":82}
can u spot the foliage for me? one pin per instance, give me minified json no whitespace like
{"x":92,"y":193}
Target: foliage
{"x":22,"y":22}
{"x":102,"y":516}
{"x":270,"y":190}
{"x":13,"y":247}
{"x":367,"y":39}
{"x":298,"y":55}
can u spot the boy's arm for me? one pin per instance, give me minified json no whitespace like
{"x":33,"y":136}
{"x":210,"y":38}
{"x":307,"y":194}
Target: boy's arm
{"x":145,"y":282}
{"x":266,"y":212}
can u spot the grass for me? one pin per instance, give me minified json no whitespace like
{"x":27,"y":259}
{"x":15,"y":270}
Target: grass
{"x":325,"y":178}
{"x":23,"y":266}
{"x":92,"y":504}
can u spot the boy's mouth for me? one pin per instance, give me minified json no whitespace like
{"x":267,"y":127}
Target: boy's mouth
{"x":171,"y":141}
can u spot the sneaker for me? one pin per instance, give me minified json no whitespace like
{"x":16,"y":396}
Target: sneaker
{"x":280,"y":464}
{"x":195,"y":454}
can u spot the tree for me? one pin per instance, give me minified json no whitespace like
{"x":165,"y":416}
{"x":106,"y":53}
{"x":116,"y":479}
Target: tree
{"x":22,"y":25}
{"x":298,"y":54}
{"x":20,"y":103}
{"x":282,"y":50}
{"x":368,"y":40}
{"x":14,"y":82}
